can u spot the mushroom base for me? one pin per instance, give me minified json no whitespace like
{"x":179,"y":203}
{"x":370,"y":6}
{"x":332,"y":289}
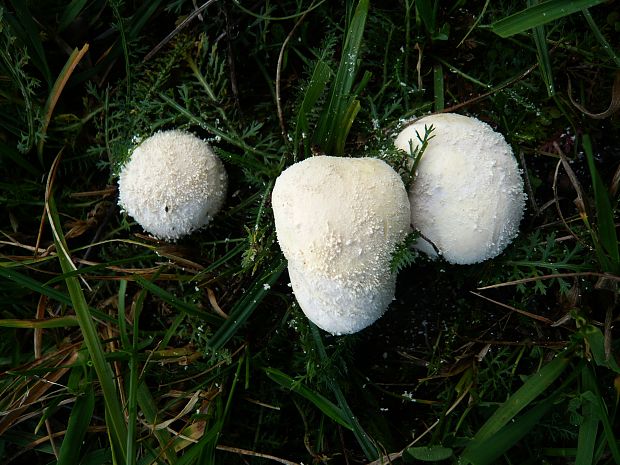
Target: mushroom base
{"x":341,"y":306}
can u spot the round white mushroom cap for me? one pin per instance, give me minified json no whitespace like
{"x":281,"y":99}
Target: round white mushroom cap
{"x":338,"y":221}
{"x":173,"y":184}
{"x":467,"y":195}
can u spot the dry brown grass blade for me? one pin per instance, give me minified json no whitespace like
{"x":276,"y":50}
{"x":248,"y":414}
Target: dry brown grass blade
{"x":15,"y":243}
{"x":578,"y":201}
{"x":180,"y":27}
{"x":98,"y":193}
{"x":418,"y":66}
{"x":542,"y":319}
{"x":607,"y":331}
{"x":191,"y":435}
{"x":208,"y":370}
{"x":526,"y":343}
{"x":189,"y":407}
{"x":41,"y":386}
{"x":183,"y":356}
{"x":50,"y":178}
{"x":177,"y":255}
{"x":251,"y":453}
{"x":50,"y":434}
{"x":614,"y":105}
{"x":48,"y":193}
{"x":38,"y":332}
{"x":492,"y":91}
{"x":528,"y":184}
{"x":214,"y":304}
{"x":615,"y":183}
{"x":551,"y":276}
{"x":44,"y":439}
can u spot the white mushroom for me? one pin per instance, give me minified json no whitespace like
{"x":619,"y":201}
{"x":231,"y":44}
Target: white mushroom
{"x":338,"y":221}
{"x":173,"y":184}
{"x":467,"y":196}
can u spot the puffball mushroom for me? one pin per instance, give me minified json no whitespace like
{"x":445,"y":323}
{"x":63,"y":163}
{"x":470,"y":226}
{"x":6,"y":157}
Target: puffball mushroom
{"x":173,"y":184}
{"x":338,"y":221}
{"x":467,"y":195}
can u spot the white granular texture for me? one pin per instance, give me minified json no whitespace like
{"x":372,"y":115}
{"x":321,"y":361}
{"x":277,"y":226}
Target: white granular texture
{"x":338,"y":221}
{"x":173,"y":184}
{"x":467,"y":196}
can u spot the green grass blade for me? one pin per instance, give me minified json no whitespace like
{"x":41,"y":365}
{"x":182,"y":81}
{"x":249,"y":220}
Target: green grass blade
{"x":117,"y":427}
{"x":600,"y":410}
{"x":25,"y":28}
{"x":531,"y":389}
{"x":192,"y":455}
{"x":586,"y":441}
{"x":320,"y":401}
{"x":34,"y":285}
{"x":486,"y":452}
{"x":120,"y":27}
{"x":596,"y":345}
{"x":600,"y":37}
{"x":57,"y":322}
{"x":425,"y":9}
{"x":177,"y":303}
{"x":244,"y":308}
{"x":150,"y":411}
{"x":438,"y":86}
{"x":367,"y":445}
{"x":345,"y":125}
{"x":139,"y":395}
{"x":331,"y":127}
{"x":138,"y":20}
{"x":430,"y":453}
{"x":544,"y":60}
{"x":604,"y":212}
{"x":72,"y":11}
{"x":319,"y":79}
{"x":9,"y":153}
{"x":131,"y":348}
{"x":540,"y":14}
{"x":80,"y":417}
{"x":122,"y":325}
{"x":204,"y":451}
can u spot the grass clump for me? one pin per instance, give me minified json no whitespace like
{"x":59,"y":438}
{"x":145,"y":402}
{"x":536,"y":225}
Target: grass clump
{"x":119,"y":348}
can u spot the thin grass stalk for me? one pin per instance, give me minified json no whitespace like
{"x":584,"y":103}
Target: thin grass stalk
{"x":365,"y":442}
{"x":114,"y":412}
{"x":80,"y":417}
{"x":530,"y":390}
{"x":606,"y":238}
{"x":132,"y":401}
{"x":438,"y":87}
{"x":601,"y":39}
{"x":544,"y":60}
{"x":537,"y":15}
{"x":586,"y":440}
{"x":333,"y":125}
{"x":408,"y":6}
{"x":123,"y":38}
{"x":609,"y":434}
{"x":320,"y":401}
